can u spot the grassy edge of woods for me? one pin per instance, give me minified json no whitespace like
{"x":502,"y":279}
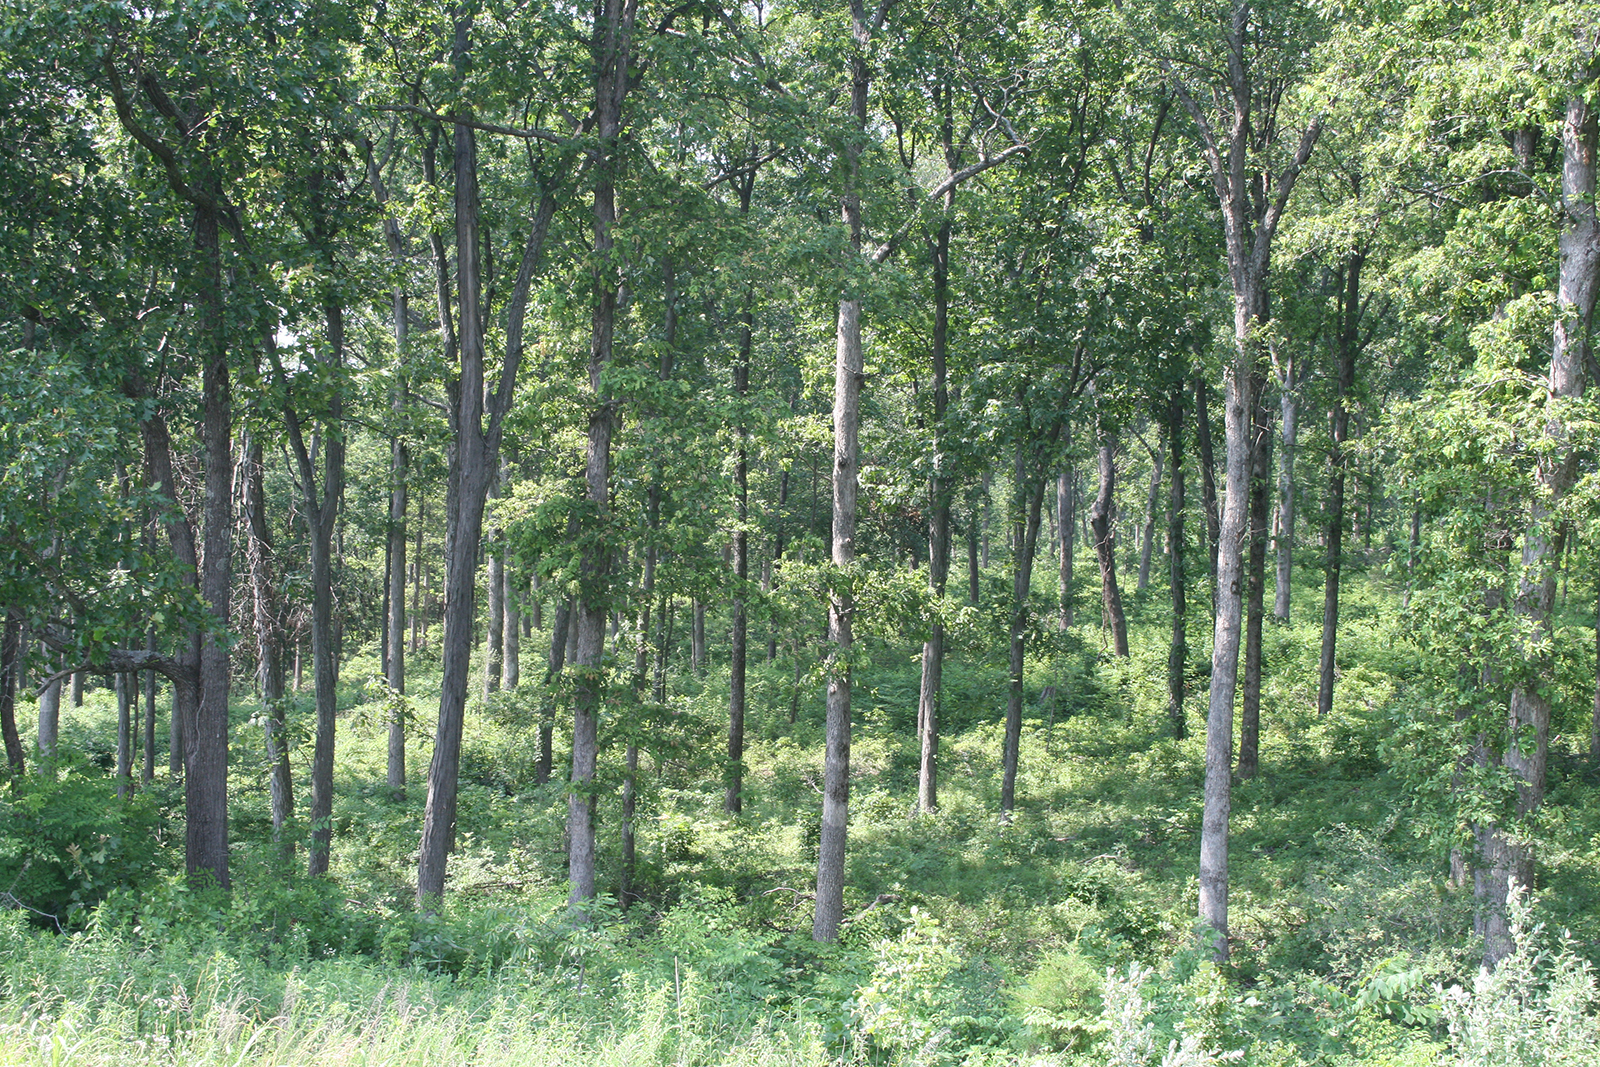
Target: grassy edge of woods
{"x":387,"y":344}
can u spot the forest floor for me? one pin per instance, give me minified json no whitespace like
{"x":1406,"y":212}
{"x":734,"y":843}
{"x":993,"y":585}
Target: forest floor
{"x":1064,"y":935}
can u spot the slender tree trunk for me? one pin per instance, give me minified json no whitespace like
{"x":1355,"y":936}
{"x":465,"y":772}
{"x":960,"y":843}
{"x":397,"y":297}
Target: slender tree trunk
{"x":939,"y":492}
{"x":1148,"y":533}
{"x":49,"y":719}
{"x":1178,"y":653}
{"x":399,"y":467}
{"x":973,"y":574}
{"x":1347,"y":341}
{"x":269,"y":642}
{"x":1212,"y":530}
{"x":321,"y":515}
{"x":1100,"y":515}
{"x":1066,"y":510}
{"x":10,"y":655}
{"x":126,"y":694}
{"x":1030,"y":486}
{"x":148,"y":770}
{"x":733,"y":793}
{"x":1283,"y":536}
{"x":613,"y":32}
{"x":494,"y":646}
{"x":560,"y":633}
{"x":1260,"y":493}
{"x":511,"y":628}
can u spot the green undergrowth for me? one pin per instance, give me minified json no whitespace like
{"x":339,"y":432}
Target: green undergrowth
{"x":1062,"y":935}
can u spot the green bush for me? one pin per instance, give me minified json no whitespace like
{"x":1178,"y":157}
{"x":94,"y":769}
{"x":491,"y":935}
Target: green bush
{"x":67,"y":840}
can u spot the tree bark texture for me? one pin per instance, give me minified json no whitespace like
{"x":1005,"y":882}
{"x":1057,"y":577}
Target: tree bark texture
{"x":1067,"y":516}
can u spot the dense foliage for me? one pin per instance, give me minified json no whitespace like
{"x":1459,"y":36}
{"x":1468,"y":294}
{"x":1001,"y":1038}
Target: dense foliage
{"x":809,"y":483}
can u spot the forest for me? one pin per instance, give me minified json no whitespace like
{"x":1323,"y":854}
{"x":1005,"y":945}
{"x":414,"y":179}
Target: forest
{"x":1019,"y":532}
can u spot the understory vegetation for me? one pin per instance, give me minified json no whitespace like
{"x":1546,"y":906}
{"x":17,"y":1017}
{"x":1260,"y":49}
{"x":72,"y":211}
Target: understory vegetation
{"x":1061,"y":936}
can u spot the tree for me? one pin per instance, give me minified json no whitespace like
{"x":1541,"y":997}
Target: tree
{"x":1256,"y":57}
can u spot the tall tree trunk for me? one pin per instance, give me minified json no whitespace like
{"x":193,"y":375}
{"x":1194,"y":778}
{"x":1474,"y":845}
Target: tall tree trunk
{"x":733,"y":792}
{"x":1148,"y":533}
{"x":1100,"y":515}
{"x":1067,"y":512}
{"x":1178,"y":652}
{"x":147,"y":772}
{"x":495,"y":582}
{"x":511,"y":628}
{"x":10,"y":655}
{"x":1347,"y":341}
{"x":399,"y":468}
{"x":560,"y":636}
{"x":205,"y":736}
{"x":1283,"y":535}
{"x":125,"y":688}
{"x":269,"y":642}
{"x":1510,"y":852}
{"x":1260,"y":494}
{"x":939,"y":492}
{"x":1030,"y":486}
{"x":49,"y":718}
{"x":1211,"y":531}
{"x":848,"y":376}
{"x":613,"y":33}
{"x":973,"y":574}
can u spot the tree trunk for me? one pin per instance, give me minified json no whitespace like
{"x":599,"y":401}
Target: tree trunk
{"x":205,"y":736}
{"x":1510,"y":852}
{"x":1283,"y":536}
{"x":733,"y":793}
{"x":560,"y":632}
{"x":613,"y":32}
{"x":1030,"y":485}
{"x":1066,"y":512}
{"x":10,"y":654}
{"x":1347,"y":340}
{"x":321,"y":510}
{"x":973,"y":575}
{"x":1148,"y":533}
{"x":1178,"y":653}
{"x":399,"y":467}
{"x":125,"y":688}
{"x":49,"y":719}
{"x":269,"y":642}
{"x":939,"y":491}
{"x":494,"y":645}
{"x":1100,"y":523}
{"x":1260,"y":493}
{"x":511,"y":628}
{"x":1212,"y":529}
{"x":148,"y":770}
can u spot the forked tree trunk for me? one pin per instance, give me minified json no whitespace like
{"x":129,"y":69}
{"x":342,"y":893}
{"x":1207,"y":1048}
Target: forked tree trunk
{"x":1030,"y":486}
